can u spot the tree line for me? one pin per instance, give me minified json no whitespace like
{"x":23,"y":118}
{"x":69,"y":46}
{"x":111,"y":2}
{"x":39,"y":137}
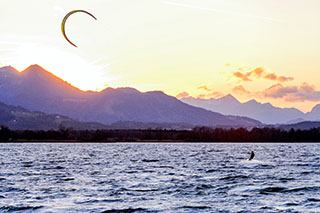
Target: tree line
{"x":197,"y":134}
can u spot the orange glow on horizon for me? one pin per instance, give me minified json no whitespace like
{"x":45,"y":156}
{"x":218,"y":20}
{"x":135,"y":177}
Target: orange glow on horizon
{"x":67,"y":65}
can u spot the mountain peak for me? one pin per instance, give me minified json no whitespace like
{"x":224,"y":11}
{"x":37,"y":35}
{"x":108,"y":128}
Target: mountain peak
{"x":316,"y":108}
{"x":9,"y":69}
{"x":35,"y":71}
{"x":252,"y":101}
{"x":34,"y":68}
{"x":128,"y":90}
{"x":36,"y":78}
{"x":156,"y":92}
{"x":229,"y":98}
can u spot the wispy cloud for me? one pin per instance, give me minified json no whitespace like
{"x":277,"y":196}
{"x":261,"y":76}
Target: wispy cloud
{"x":191,"y":6}
{"x":230,"y":13}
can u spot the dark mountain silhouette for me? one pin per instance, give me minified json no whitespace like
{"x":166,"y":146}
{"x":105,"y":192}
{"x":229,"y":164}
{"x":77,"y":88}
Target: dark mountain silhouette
{"x":126,"y":125}
{"x":305,"y":125}
{"x":35,"y":87}
{"x":314,"y":114}
{"x":38,"y":89}
{"x":294,"y":121}
{"x":20,"y":118}
{"x":266,"y":113}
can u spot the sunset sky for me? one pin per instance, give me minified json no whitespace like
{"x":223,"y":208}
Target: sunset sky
{"x":268,"y":50}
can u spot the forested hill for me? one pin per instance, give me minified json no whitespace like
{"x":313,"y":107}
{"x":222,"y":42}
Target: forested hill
{"x":198,"y":134}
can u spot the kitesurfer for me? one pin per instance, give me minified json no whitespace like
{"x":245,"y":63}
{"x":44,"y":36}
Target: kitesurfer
{"x":252,"y":155}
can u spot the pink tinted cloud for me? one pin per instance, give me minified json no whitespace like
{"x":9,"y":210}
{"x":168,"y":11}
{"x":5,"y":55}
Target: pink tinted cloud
{"x":211,"y":95}
{"x":241,"y":76}
{"x":204,"y":88}
{"x":301,"y":93}
{"x":259,"y":73}
{"x":183,"y":94}
{"x":241,"y":90}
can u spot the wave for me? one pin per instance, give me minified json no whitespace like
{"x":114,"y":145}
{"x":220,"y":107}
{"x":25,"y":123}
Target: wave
{"x":129,"y":210}
{"x":285,"y":190}
{"x":94,"y":201}
{"x":313,"y":200}
{"x":235,"y":177}
{"x":272,"y":190}
{"x":251,"y":161}
{"x":12,"y":189}
{"x":203,"y":187}
{"x":19,"y":208}
{"x":305,"y":189}
{"x":150,"y":160}
{"x":195,"y":207}
{"x":292,"y":204}
{"x":142,"y":190}
{"x":67,"y":179}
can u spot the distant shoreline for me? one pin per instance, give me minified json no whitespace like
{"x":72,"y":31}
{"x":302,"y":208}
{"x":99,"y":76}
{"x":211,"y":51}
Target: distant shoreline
{"x":142,"y":141}
{"x":196,"y":135}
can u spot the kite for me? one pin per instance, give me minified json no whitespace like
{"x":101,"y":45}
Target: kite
{"x":65,"y":19}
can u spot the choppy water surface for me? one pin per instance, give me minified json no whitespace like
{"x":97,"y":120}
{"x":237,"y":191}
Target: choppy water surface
{"x":130,"y":177}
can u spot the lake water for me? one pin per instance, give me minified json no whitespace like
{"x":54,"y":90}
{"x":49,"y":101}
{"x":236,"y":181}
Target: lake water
{"x":133,"y":177}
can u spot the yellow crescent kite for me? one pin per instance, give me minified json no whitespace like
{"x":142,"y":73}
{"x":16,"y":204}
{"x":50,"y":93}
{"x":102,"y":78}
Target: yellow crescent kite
{"x":65,"y":19}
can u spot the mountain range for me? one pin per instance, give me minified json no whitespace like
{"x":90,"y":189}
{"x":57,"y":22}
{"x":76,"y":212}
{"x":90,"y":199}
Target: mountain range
{"x":265,"y":113}
{"x":18,"y":118}
{"x":36,"y":89}
{"x":22,"y":119}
